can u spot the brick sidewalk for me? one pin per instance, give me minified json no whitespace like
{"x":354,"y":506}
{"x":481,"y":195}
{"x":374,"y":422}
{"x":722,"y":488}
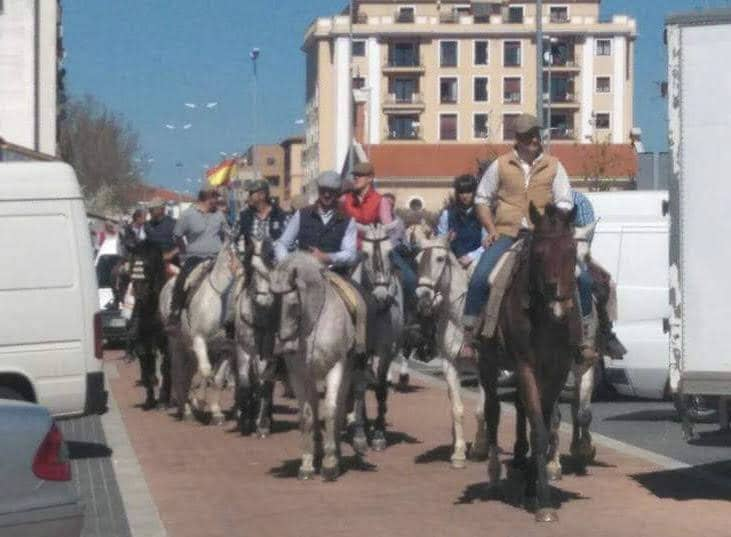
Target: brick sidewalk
{"x":209,"y":481}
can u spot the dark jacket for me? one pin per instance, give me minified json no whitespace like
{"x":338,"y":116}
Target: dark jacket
{"x":277,"y":222}
{"x":161,"y":233}
{"x":467,"y":228}
{"x":314,"y":234}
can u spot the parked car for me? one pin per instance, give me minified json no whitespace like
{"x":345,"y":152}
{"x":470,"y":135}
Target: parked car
{"x":50,"y":324}
{"x":37,"y":498}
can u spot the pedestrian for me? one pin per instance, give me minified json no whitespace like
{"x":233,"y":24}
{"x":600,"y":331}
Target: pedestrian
{"x":159,"y":230}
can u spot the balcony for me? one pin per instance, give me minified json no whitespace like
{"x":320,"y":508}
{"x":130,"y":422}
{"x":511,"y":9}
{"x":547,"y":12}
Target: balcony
{"x":404,"y":64}
{"x":449,"y":18}
{"x":411,"y":133}
{"x":395,"y":102}
{"x":404,"y":16}
{"x":562,"y":133}
{"x":559,"y":17}
{"x":512,"y":97}
{"x":360,"y":18}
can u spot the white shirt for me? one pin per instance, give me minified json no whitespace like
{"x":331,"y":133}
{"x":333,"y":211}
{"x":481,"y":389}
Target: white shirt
{"x":490,"y":182}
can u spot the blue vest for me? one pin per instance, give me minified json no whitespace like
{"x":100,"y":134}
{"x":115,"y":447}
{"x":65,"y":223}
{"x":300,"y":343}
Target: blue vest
{"x":277,"y":222}
{"x":161,"y":233}
{"x":314,"y":234}
{"x":467,"y":228}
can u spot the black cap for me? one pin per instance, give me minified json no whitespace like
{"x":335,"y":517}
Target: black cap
{"x":465,"y":183}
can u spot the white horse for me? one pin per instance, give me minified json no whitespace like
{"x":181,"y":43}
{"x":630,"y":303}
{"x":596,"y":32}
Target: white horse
{"x":441,"y":292}
{"x":386,"y":327}
{"x":317,"y":335}
{"x":255,"y":325}
{"x":201,"y":325}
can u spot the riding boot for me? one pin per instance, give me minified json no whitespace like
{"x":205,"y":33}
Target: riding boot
{"x":587,"y":350}
{"x":608,"y":339}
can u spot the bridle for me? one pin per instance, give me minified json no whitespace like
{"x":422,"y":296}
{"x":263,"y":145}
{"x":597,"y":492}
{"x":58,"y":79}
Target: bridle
{"x":424,"y":282}
{"x":379,"y":267}
{"x":539,"y":285}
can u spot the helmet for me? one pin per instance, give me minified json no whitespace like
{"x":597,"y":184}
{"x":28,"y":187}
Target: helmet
{"x":464,"y":184}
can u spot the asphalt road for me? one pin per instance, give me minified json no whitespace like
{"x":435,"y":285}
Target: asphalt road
{"x":650,"y":425}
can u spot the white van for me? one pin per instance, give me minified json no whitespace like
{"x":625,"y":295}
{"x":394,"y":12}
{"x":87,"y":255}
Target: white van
{"x":632,"y":243}
{"x":50,"y":328}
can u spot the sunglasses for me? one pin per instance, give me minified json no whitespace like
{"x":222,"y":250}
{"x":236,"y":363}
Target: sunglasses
{"x":529,"y":136}
{"x":327,"y":192}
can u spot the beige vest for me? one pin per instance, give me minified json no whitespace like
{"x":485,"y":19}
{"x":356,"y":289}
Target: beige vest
{"x":513,"y":198}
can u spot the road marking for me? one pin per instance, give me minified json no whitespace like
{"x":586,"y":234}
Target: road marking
{"x":667,"y":463}
{"x":142,"y":514}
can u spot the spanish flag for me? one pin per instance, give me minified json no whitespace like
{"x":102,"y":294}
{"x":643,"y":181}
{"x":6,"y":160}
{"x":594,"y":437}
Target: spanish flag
{"x":220,"y":174}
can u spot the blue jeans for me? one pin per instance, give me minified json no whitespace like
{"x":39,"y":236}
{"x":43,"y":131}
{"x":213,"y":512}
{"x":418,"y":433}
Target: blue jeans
{"x":408,"y":276}
{"x":479,"y":289}
{"x":585,"y":283}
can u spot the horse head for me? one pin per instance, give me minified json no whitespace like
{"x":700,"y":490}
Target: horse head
{"x":228,"y":261}
{"x":259,"y":264}
{"x":376,"y":263}
{"x":433,"y":266}
{"x":553,"y":259}
{"x":418,"y":234}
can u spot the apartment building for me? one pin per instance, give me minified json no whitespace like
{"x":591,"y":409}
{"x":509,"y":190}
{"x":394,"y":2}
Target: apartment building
{"x":30,"y":51}
{"x":443,"y":73}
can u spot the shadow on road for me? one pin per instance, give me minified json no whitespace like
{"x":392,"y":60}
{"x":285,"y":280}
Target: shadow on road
{"x":394,"y":438}
{"x":87,"y":450}
{"x":718,"y":438}
{"x":441,"y":453}
{"x":290,"y":468}
{"x":511,"y":493}
{"x":704,"y":482}
{"x":569,"y":466}
{"x":669,"y":415}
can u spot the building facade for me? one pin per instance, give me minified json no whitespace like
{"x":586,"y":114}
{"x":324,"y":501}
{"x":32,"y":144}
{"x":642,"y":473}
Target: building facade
{"x":30,"y":51}
{"x":440,"y":73}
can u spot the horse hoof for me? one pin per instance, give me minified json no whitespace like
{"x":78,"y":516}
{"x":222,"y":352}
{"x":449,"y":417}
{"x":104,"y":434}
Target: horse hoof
{"x":187,"y":417}
{"x":478,"y":454}
{"x":459,"y":464}
{"x":516,"y":475}
{"x":554,"y":472}
{"x":378,"y":444}
{"x":330,"y":474}
{"x":218,"y":420}
{"x":546,"y":515}
{"x":403,"y":381}
{"x":263,"y":433}
{"x":149,"y":404}
{"x":305,"y":475}
{"x":360,"y":445}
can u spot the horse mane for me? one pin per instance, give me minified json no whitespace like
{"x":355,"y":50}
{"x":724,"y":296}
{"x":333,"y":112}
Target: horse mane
{"x":312,"y":291}
{"x":308,"y":268}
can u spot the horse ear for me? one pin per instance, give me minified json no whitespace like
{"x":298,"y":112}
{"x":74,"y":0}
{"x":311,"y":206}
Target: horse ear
{"x":535,"y":215}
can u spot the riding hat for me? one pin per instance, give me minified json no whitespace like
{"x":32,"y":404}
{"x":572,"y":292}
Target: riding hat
{"x":330,"y":179}
{"x":363,"y":168}
{"x":525,"y":123}
{"x":156,"y":203}
{"x":465,"y":183}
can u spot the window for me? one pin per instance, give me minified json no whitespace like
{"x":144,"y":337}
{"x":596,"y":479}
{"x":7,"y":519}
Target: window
{"x":405,"y":14}
{"x":404,"y":55}
{"x":480,"y":94}
{"x":359,"y":48}
{"x":515,"y":15}
{"x":448,"y":90}
{"x":462,"y":11}
{"x":482,"y":53}
{"x":271,"y":161}
{"x":512,"y":53}
{"x":603,"y":47}
{"x":603,"y":84}
{"x":559,"y":14}
{"x":601,"y":121}
{"x":359,"y":82}
{"x":448,"y":54}
{"x":512,"y":90}
{"x":403,"y":127}
{"x":481,"y":127}
{"x":509,"y":126}
{"x":403,"y":89}
{"x":448,"y":126}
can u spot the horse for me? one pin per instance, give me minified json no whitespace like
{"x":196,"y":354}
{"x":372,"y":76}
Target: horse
{"x":440,"y":293}
{"x":537,"y":328}
{"x":386,"y":327}
{"x":202,"y":326}
{"x":147,"y":274}
{"x":255,"y":326}
{"x":317,"y":335}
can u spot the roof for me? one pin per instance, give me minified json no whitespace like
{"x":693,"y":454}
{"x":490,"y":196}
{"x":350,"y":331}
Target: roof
{"x":450,"y":160}
{"x":700,"y":17}
{"x":143,"y":193}
{"x":32,"y":180}
{"x":292,"y":140}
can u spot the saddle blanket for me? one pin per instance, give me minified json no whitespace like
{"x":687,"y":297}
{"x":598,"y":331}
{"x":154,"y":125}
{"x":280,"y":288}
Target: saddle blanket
{"x":345,"y":291}
{"x":499,"y":280}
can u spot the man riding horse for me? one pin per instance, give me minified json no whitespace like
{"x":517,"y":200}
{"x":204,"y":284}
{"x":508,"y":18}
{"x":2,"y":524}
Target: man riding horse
{"x":518,"y":178}
{"x":460,"y":223}
{"x":159,"y":230}
{"x":261,"y":218}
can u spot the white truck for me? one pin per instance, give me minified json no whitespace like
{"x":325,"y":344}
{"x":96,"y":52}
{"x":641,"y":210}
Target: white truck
{"x":699,"y":108}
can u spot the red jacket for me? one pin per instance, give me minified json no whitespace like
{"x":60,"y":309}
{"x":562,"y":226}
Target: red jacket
{"x":366,"y":211}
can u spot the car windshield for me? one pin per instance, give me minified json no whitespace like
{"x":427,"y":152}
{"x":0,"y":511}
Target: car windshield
{"x":104,"y":266}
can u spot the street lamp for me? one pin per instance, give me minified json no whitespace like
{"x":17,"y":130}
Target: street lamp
{"x":548,"y":58}
{"x":254,"y":55}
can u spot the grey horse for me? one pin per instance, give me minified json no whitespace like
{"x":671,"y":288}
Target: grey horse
{"x":317,"y":337}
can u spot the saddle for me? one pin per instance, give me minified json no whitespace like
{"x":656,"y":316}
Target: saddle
{"x":345,"y":291}
{"x":195,"y":279}
{"x":499,"y":280}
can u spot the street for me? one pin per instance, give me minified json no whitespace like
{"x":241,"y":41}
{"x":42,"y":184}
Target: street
{"x":204,"y":480}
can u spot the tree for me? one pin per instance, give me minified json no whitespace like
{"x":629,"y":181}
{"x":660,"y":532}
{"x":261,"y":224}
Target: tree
{"x":598,"y":157}
{"x":102,"y":147}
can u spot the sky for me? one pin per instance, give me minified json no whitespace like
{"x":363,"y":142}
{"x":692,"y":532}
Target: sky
{"x":145,"y":59}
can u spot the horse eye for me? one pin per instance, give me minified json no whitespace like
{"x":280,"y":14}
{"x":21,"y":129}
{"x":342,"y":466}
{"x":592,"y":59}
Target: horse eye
{"x":441,"y":259}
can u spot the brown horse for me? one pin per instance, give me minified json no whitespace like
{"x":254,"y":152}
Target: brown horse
{"x":537,"y":331}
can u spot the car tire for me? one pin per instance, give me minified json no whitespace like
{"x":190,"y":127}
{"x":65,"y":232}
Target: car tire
{"x":9,"y":393}
{"x":698,"y":408}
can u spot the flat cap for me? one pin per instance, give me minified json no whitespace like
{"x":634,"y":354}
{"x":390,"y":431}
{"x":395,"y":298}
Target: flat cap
{"x":155,"y":203}
{"x":525,"y":123}
{"x":329,"y":179}
{"x":363,"y":168}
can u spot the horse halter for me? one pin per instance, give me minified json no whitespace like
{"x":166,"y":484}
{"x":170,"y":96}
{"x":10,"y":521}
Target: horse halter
{"x":379,"y":266}
{"x":427,"y":282}
{"x":541,"y":287}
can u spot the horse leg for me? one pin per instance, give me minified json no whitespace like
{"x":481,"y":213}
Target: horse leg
{"x":582,"y":450}
{"x":330,"y":466}
{"x":264,"y":418}
{"x":201,"y":353}
{"x":488,"y":370}
{"x":307,"y":398}
{"x":455,"y":398}
{"x":149,"y":379}
{"x":378,"y":442}
{"x":165,"y":373}
{"x":360,"y":440}
{"x":244,"y":390}
{"x":555,"y":472}
{"x":217,"y":417}
{"x":479,"y":451}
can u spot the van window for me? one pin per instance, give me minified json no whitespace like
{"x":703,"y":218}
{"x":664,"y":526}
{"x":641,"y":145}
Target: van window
{"x":38,"y":252}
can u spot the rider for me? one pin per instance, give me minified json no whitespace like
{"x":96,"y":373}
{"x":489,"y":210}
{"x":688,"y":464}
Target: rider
{"x":460,"y":223}
{"x":199,"y":234}
{"x":523,"y":175}
{"x":159,"y":229}
{"x":261,"y":218}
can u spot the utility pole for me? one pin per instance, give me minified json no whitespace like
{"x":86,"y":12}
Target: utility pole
{"x":254,"y":55}
{"x":539,"y":62}
{"x":351,"y":127}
